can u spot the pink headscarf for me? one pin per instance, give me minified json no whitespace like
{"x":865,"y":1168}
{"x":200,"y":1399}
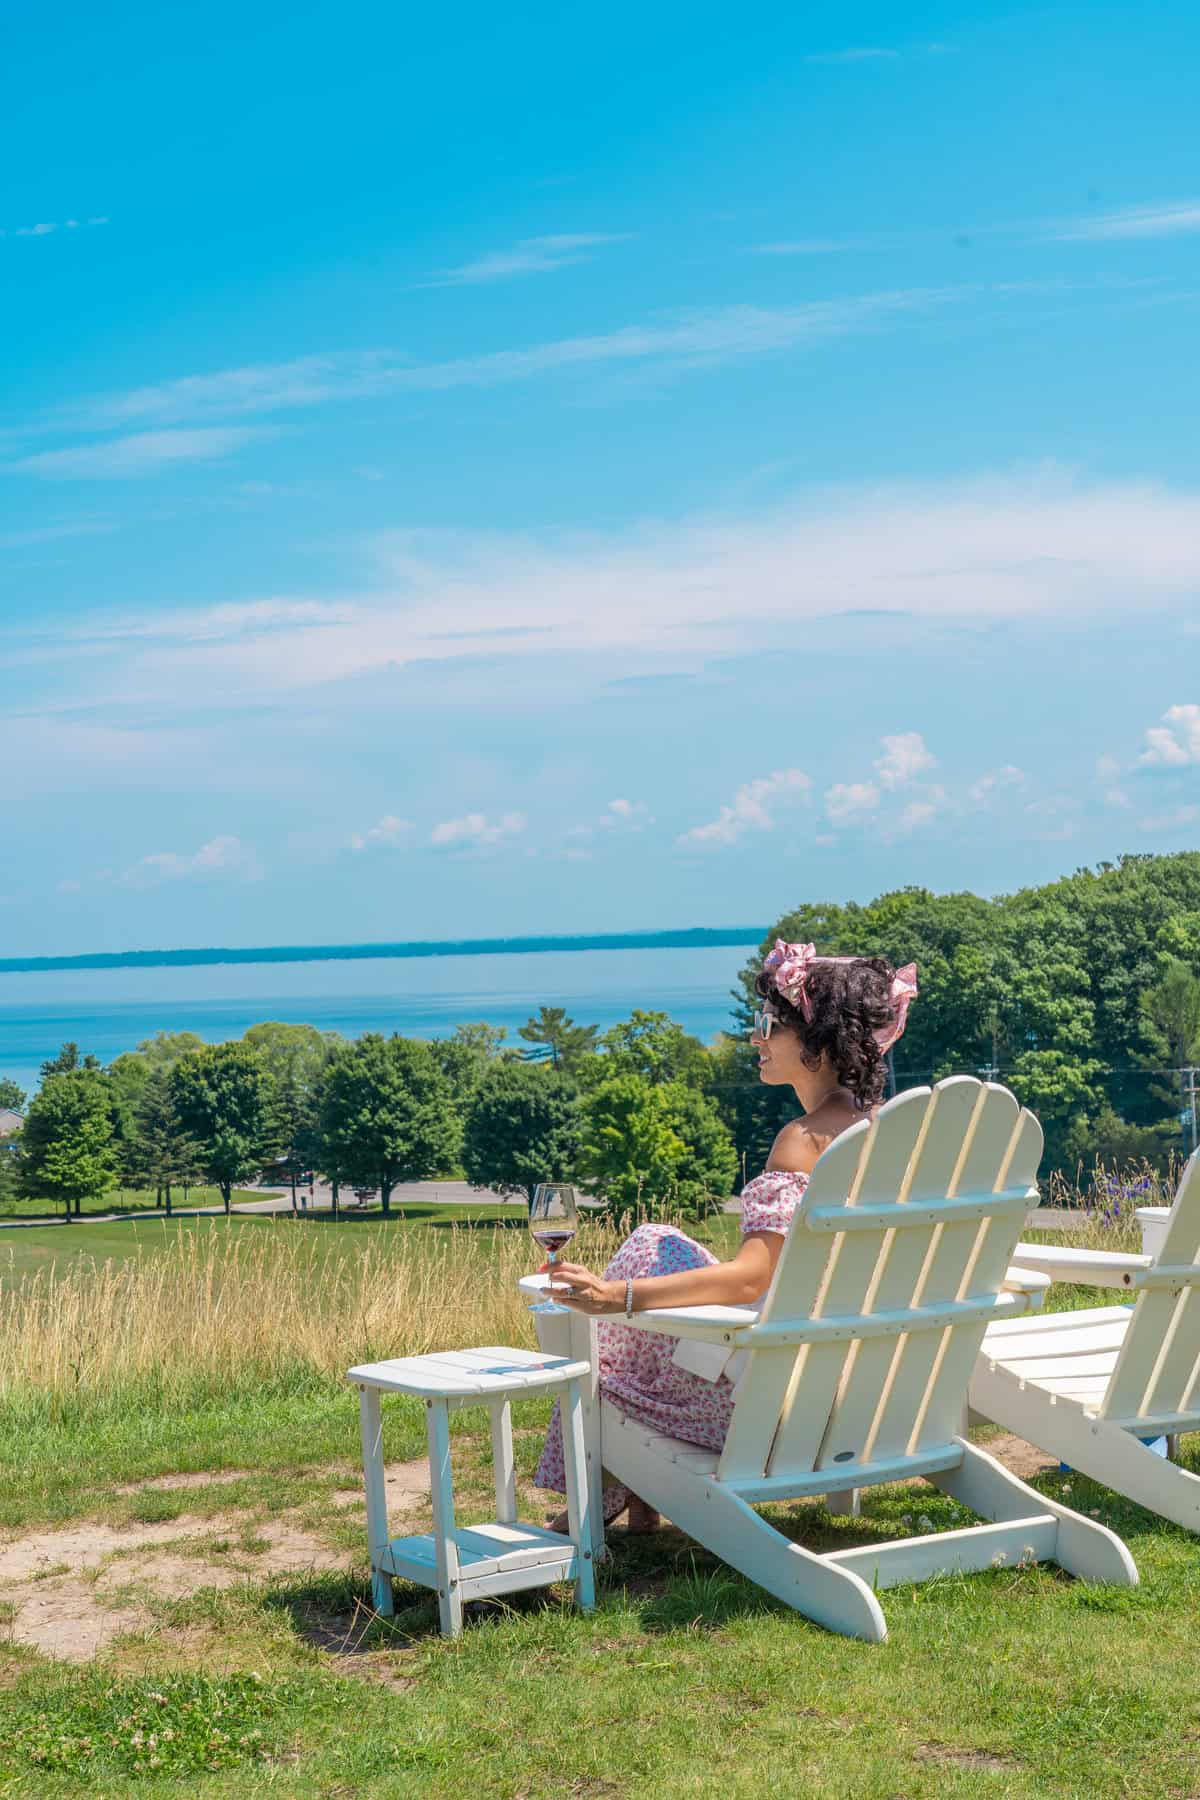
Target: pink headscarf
{"x":788,"y":966}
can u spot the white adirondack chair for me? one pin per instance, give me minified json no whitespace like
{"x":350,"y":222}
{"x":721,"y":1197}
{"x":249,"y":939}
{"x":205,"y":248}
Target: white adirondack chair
{"x":857,"y":1364}
{"x":1087,"y":1386}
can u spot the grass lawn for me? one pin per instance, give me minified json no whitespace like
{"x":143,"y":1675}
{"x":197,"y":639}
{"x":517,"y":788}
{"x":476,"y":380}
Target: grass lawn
{"x":127,"y":1201}
{"x":247,"y":1678}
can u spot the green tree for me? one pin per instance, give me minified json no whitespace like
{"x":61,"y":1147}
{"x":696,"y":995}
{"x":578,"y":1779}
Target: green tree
{"x":162,"y":1153}
{"x":522,"y":1127}
{"x":1171,"y":1015}
{"x":69,"y":1061}
{"x":656,"y":1148}
{"x":557,"y":1039}
{"x":223,"y":1100}
{"x":10,"y":1170}
{"x":655,"y":1047}
{"x":67,"y":1150}
{"x":386,"y":1114}
{"x":12,"y":1097}
{"x":296,"y":1058}
{"x":166,"y":1048}
{"x":467,"y":1057}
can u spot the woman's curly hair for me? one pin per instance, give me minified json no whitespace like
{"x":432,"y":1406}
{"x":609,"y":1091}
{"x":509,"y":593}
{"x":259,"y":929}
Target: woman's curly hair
{"x":850,"y":1002}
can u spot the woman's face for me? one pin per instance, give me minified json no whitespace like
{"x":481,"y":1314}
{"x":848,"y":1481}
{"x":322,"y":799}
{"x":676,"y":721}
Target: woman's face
{"x":780,"y":1058}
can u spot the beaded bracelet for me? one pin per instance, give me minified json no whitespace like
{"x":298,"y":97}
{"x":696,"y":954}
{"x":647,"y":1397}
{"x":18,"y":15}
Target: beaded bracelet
{"x":629,"y":1299}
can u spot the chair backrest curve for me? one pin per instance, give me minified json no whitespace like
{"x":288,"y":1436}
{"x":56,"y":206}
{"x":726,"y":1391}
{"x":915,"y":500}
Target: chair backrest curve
{"x":885,"y":1286}
{"x":1157,"y":1373}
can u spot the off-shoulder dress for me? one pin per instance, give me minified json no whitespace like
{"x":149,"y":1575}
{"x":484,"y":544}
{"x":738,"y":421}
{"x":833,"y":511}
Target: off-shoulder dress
{"x":638,"y":1370}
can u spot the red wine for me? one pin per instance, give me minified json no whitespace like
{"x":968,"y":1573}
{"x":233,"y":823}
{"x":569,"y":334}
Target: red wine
{"x":553,"y":1240}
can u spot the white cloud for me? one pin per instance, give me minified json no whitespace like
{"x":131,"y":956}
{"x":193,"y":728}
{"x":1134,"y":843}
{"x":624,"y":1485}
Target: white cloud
{"x":717,"y":335}
{"x":225,"y":856}
{"x":905,"y":756}
{"x":142,"y":453}
{"x":753,"y":808}
{"x":847,"y":801}
{"x":1175,"y":744}
{"x":531,"y":256}
{"x":1117,"y":797}
{"x":918,"y":813}
{"x":1008,"y":776}
{"x":675,"y":596}
{"x":1107,"y":767}
{"x":48,"y":227}
{"x":387,"y":835}
{"x":631,"y":815}
{"x":1171,"y":219}
{"x":1172,"y":821}
{"x":476,"y":831}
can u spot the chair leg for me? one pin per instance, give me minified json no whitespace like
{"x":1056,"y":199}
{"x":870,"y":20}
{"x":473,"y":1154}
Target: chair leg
{"x":377,"y":1526}
{"x":578,"y":1503}
{"x":503,"y":1466}
{"x":445,"y":1545}
{"x":1082,"y":1546}
{"x":836,"y":1598}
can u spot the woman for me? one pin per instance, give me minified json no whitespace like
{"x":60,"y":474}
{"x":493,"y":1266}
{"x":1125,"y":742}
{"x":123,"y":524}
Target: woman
{"x":824,"y":1029}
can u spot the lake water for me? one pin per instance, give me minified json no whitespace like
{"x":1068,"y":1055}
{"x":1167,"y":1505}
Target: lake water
{"x":108,"y":1011}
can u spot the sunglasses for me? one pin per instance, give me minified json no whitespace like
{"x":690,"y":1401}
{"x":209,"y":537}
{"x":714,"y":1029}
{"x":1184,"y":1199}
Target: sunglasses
{"x":762,"y":1023}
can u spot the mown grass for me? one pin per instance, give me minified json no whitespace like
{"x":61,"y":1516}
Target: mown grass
{"x":224,"y":1348}
{"x":128,"y":1202}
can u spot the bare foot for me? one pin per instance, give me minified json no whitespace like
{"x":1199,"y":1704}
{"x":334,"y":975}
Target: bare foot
{"x":641,"y":1519}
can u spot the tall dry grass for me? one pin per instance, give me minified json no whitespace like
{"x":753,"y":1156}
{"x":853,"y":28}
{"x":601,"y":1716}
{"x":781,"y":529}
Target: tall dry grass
{"x":223,"y":1308}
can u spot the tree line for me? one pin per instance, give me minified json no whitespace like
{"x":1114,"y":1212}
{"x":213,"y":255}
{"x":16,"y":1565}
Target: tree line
{"x":1083,"y":995}
{"x":624,"y":1113}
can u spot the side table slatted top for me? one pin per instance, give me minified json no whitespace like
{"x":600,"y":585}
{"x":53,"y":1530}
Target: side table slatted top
{"x":504,"y":1554}
{"x":495,"y":1369}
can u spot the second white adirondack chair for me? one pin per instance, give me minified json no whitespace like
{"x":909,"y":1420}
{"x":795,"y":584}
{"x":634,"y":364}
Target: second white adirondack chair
{"x":1088,"y":1386}
{"x":857,"y":1364}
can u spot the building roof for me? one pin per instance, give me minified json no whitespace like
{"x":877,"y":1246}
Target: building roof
{"x":9,"y":1122}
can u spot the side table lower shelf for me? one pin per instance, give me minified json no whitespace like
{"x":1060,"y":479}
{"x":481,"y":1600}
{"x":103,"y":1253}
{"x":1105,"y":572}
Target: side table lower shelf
{"x":495,"y":1558}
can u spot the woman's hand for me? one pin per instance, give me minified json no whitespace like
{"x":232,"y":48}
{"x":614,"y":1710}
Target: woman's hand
{"x":584,"y":1292}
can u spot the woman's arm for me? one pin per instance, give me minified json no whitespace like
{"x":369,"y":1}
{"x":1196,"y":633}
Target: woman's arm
{"x":739,"y":1282}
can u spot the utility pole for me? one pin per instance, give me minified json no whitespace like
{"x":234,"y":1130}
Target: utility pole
{"x":1190,"y":1095}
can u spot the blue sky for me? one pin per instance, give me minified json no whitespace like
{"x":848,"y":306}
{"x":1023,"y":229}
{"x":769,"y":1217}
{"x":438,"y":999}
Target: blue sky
{"x":563,"y":470}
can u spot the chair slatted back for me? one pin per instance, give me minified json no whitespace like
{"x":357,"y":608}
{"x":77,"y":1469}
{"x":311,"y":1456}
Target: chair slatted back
{"x":920,"y":1210}
{"x":1157,"y":1371}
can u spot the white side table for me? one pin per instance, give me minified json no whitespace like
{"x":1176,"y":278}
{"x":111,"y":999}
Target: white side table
{"x":476,"y":1562}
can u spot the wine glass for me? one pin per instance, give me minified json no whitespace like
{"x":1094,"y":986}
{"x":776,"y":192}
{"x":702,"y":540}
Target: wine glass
{"x":553,"y":1219}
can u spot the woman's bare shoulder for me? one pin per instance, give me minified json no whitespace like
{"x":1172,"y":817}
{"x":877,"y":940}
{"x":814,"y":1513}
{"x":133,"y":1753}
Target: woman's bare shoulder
{"x":801,"y":1141}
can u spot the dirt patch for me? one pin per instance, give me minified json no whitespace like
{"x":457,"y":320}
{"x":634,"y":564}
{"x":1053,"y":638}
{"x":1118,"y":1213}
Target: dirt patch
{"x":168,"y":1484}
{"x":68,"y":1587}
{"x":1025,"y":1460}
{"x":963,"y":1759}
{"x":405,"y":1483}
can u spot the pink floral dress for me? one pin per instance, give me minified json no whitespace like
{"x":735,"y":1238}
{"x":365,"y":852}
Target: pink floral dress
{"x":637,"y":1368}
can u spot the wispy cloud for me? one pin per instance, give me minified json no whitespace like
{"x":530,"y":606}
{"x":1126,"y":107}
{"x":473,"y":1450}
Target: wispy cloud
{"x":475,"y":831}
{"x":753,"y":808}
{"x":221,"y":856}
{"x":848,"y":801}
{"x":141,"y":453}
{"x":1175,"y":744}
{"x":670,"y":597}
{"x":905,"y":756}
{"x":702,"y":337}
{"x":389,"y":834}
{"x":996,"y":779}
{"x":1178,"y":218}
{"x":529,"y":256}
{"x":1176,"y":820}
{"x":49,"y":534}
{"x":47,"y":227}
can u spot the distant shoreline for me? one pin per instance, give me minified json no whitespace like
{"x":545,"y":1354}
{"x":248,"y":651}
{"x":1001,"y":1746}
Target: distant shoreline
{"x":695,"y":938}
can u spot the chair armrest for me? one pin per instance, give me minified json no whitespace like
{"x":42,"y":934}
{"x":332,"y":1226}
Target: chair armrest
{"x":1032,"y":1283}
{"x":1090,"y":1268}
